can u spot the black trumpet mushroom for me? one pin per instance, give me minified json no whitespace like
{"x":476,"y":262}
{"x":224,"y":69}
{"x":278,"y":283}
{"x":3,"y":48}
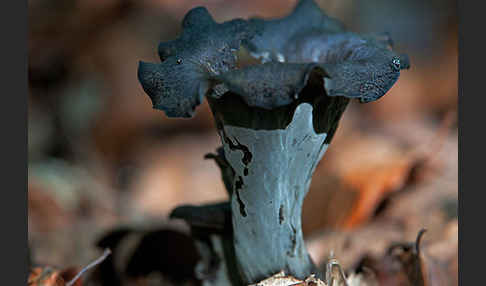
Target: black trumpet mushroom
{"x":275,"y":118}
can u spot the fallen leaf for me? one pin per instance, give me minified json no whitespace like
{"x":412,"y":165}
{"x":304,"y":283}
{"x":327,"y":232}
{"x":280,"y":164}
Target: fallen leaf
{"x":48,"y":276}
{"x":45,"y":276}
{"x":366,"y":171}
{"x":407,"y":264}
{"x":282,"y":279}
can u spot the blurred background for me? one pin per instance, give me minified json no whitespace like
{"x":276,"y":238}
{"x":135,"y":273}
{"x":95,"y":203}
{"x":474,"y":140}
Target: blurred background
{"x":101,"y":159}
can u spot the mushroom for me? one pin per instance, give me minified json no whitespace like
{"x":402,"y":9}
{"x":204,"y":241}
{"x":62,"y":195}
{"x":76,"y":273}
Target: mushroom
{"x":275,"y":119}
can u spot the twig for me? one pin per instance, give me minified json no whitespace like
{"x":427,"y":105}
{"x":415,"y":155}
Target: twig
{"x":89,"y":266}
{"x":418,"y":240}
{"x":334,"y":263}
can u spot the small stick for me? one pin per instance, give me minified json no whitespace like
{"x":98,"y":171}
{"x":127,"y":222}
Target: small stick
{"x":89,"y":266}
{"x":418,"y":240}
{"x":333,"y":262}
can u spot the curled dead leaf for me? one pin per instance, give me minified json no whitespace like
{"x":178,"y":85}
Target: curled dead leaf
{"x":407,"y":264}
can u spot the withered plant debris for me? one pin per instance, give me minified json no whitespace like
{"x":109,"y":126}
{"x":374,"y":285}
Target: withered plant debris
{"x":407,"y":264}
{"x":47,"y":276}
{"x":88,"y":267}
{"x":335,"y":278}
{"x":139,"y":253}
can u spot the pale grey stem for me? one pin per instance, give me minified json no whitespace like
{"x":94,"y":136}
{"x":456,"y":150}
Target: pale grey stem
{"x":273,"y":170}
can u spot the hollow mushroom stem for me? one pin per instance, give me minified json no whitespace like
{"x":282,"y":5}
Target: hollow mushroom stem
{"x":273,"y":170}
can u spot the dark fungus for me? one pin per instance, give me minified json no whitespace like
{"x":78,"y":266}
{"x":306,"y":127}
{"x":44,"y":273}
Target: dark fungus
{"x":308,"y":68}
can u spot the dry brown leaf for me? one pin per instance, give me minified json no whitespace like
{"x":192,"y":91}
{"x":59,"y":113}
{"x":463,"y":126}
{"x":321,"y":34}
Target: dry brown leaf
{"x":407,"y":264}
{"x":282,"y":279}
{"x":368,"y":169}
{"x":373,"y":184}
{"x":47,"y":276}
{"x":279,"y":279}
{"x":365,"y":171}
